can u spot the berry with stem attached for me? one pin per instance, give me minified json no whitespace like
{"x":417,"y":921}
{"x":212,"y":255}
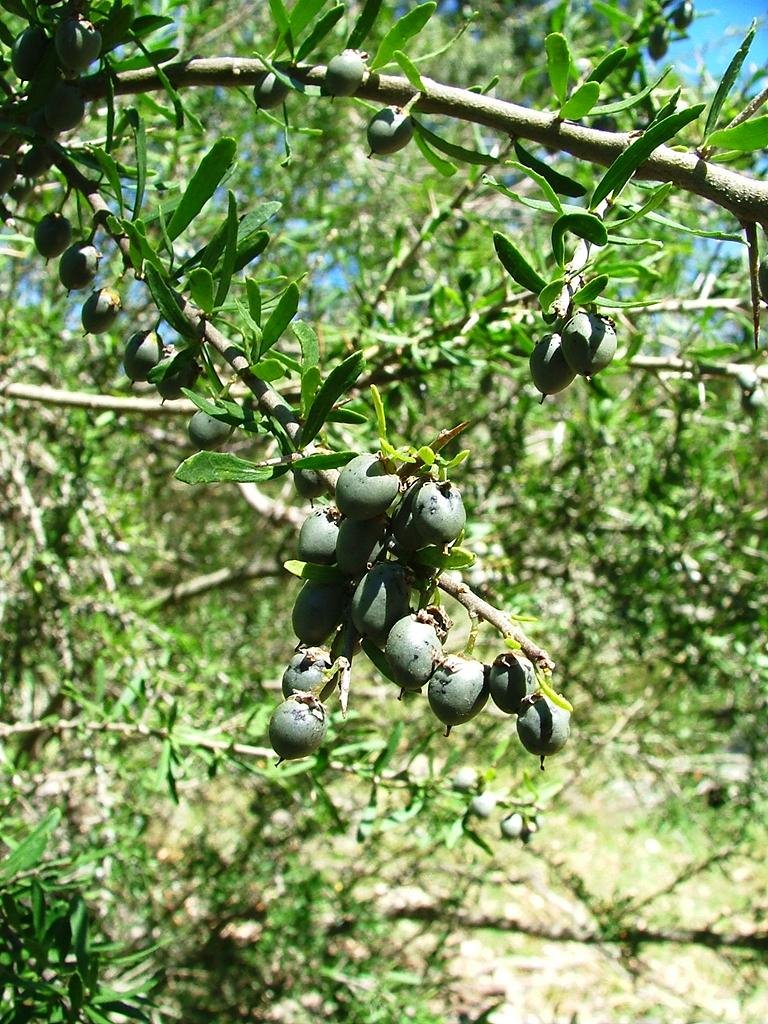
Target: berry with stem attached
{"x":100,"y":310}
{"x":269,"y":91}
{"x":549,"y":370}
{"x":318,"y":610}
{"x":412,"y":650}
{"x":306,"y":670}
{"x":588,"y":342}
{"x":52,"y":235}
{"x":318,"y":536}
{"x":78,"y":44}
{"x":344,"y":74}
{"x":297,"y":726}
{"x":543,"y":726}
{"x":143,"y":352}
{"x":365,"y":488}
{"x":78,"y":265}
{"x":438,"y":512}
{"x":458,"y":690}
{"x":389,"y":131}
{"x":511,"y":678}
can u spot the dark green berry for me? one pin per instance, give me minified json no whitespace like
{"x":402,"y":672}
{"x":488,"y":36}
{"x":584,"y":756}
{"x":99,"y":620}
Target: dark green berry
{"x":588,"y":342}
{"x":308,"y":483}
{"x":344,"y":74}
{"x":381,"y":598}
{"x":65,"y":107}
{"x":36,"y":161}
{"x":318,"y":536}
{"x":549,"y":370}
{"x":306,"y":671}
{"x":360,"y":542}
{"x":183,"y":376}
{"x":389,"y":131}
{"x":77,"y":42}
{"x":438,"y":512}
{"x":143,"y":352}
{"x":100,"y":310}
{"x":412,"y":651}
{"x":404,"y":529}
{"x":29,"y":51}
{"x":269,"y":91}
{"x":458,"y":690}
{"x":511,"y":678}
{"x":317,"y":611}
{"x":682,"y":15}
{"x":658,"y":40}
{"x":78,"y":265}
{"x":297,"y":726}
{"x":543,"y":727}
{"x":365,"y":488}
{"x":52,"y":235}
{"x":207,"y":432}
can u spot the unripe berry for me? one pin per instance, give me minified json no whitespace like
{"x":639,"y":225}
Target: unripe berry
{"x":658,"y":40}
{"x":404,"y":529}
{"x":65,"y":107}
{"x":344,"y":74}
{"x":588,"y":342}
{"x":318,"y":536}
{"x":52,"y":235}
{"x":78,"y":44}
{"x":29,"y":52}
{"x":297,"y":726}
{"x":682,"y":15}
{"x":458,"y":690}
{"x":308,"y":483}
{"x":543,"y":727}
{"x":317,"y":611}
{"x":305,"y":671}
{"x":549,"y":370}
{"x":78,"y":265}
{"x":438,"y":512}
{"x":381,"y":598}
{"x":36,"y":161}
{"x":365,"y":488}
{"x":360,"y":542}
{"x":412,"y":651}
{"x":170,"y":387}
{"x":389,"y":131}
{"x":269,"y":91}
{"x":100,"y":310}
{"x":143,"y":352}
{"x":511,"y":678}
{"x":207,"y":432}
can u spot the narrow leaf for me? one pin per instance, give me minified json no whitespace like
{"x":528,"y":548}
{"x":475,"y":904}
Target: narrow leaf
{"x":541,"y":181}
{"x":166,"y":302}
{"x":590,"y":291}
{"x":312,"y":571}
{"x":253,"y":292}
{"x":216,"y":467}
{"x":469,"y":156}
{"x":303,"y":13}
{"x":319,"y":32}
{"x":231,"y":250}
{"x":409,"y":69}
{"x":321,"y":460}
{"x":562,"y":184}
{"x":516,"y":265}
{"x":201,"y":288}
{"x":404,"y":29}
{"x":581,"y":101}
{"x":608,"y":64}
{"x":585,"y":225}
{"x":364,"y":24}
{"x":457,"y":558}
{"x":280,"y":16}
{"x":339,"y":380}
{"x":268,"y":369}
{"x":310,"y":349}
{"x":281,"y":316}
{"x":206,"y":179}
{"x":558,"y":64}
{"x":625,"y":165}
{"x":444,"y":167}
{"x":549,"y":293}
{"x":29,"y":851}
{"x":747,"y":137}
{"x":631,"y":101}
{"x":728,"y":80}
{"x":140,"y":145}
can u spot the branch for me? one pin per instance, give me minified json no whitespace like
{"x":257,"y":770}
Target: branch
{"x":746,"y":198}
{"x":82,"y":400}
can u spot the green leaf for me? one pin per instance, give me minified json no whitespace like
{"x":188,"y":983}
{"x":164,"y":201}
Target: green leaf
{"x":728,"y":80}
{"x":608,"y":64}
{"x":561,"y":184}
{"x":214,"y":166}
{"x":218,"y":467}
{"x":632,"y":101}
{"x":281,"y":316}
{"x":381,"y":416}
{"x":656,"y":199}
{"x":322,"y":460}
{"x":409,"y":69}
{"x":303,"y":13}
{"x":109,"y":167}
{"x":311,"y":380}
{"x":558,"y":64}
{"x":253,"y":292}
{"x":541,"y":181}
{"x":457,"y":558}
{"x":140,"y":144}
{"x":319,"y":32}
{"x":404,"y":29}
{"x":268,"y":369}
{"x":78,"y":921}
{"x":280,"y":17}
{"x":590,"y":291}
{"x":201,"y":288}
{"x":344,"y":414}
{"x":365,"y":22}
{"x":311,"y":571}
{"x":625,"y":165}
{"x":581,"y":101}
{"x":167,"y":303}
{"x":516,"y":265}
{"x":221,"y":409}
{"x":230,"y":251}
{"x":549,"y":293}
{"x":747,"y":137}
{"x":386,"y":755}
{"x":444,"y":167}
{"x":29,"y":852}
{"x":585,"y":225}
{"x":376,"y":656}
{"x":339,"y":380}
{"x":468,"y":156}
{"x":310,"y":348}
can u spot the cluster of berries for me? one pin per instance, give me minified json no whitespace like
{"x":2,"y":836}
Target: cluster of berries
{"x":680,"y":16}
{"x":585,"y":344}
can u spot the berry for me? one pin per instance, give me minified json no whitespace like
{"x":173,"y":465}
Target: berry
{"x":549,"y":370}
{"x":483,"y":805}
{"x":381,"y":598}
{"x":36,"y":161}
{"x":306,"y":670}
{"x":269,"y":91}
{"x":360,"y":543}
{"x":207,"y":432}
{"x":52,"y":235}
{"x":77,"y":42}
{"x":458,"y":690}
{"x":365,"y":489}
{"x":8,"y":172}
{"x":682,"y":15}
{"x":762,"y":278}
{"x":389,"y":131}
{"x":412,"y":650}
{"x":142,"y":354}
{"x":404,"y":528}
{"x":65,"y":107}
{"x":542,"y":726}
{"x":308,"y":483}
{"x":170,"y":387}
{"x":511,"y":678}
{"x":29,"y":52}
{"x":344,"y":74}
{"x":100,"y":310}
{"x":318,"y":535}
{"x":465,"y":780}
{"x":317,"y":611}
{"x":297,"y":726}
{"x":438,"y":512}
{"x":78,"y":265}
{"x":658,"y":40}
{"x":588,"y":343}
{"x":512,"y":826}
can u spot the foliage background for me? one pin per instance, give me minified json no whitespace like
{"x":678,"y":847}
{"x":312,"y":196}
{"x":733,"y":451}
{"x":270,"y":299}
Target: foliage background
{"x":627,"y":518}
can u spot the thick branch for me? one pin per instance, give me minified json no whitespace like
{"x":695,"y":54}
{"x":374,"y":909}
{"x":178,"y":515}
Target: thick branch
{"x":745,"y":197}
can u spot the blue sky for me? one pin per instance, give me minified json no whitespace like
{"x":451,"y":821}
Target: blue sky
{"x":716,"y":33}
